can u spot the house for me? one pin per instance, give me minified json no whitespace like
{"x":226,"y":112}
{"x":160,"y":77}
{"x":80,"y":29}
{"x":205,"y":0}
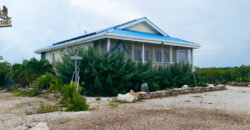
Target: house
{"x":140,"y":39}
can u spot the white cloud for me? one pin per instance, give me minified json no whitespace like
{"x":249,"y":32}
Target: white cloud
{"x":111,"y":10}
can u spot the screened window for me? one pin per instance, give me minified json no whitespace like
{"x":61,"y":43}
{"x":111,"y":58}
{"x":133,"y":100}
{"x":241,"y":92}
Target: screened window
{"x":146,"y":55}
{"x":182,"y":57}
{"x":137,"y":55}
{"x":165,"y":56}
{"x":83,"y":48}
{"x":158,"y":56}
{"x":75,"y":50}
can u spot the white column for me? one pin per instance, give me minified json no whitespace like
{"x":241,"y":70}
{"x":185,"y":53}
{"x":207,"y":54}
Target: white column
{"x":171,"y":55}
{"x":153,"y":59}
{"x":108,"y":45}
{"x":143,"y":53}
{"x":189,"y":56}
{"x":162,"y":53}
{"x":133,"y":51}
{"x":192,"y":58}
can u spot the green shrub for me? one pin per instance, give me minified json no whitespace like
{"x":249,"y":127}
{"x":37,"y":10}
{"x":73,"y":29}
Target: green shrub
{"x":98,"y":98}
{"x":225,"y":75}
{"x":29,"y":71}
{"x":50,"y":82}
{"x":47,"y":108}
{"x":113,"y":104}
{"x":110,"y":73}
{"x":72,"y":100}
{"x":26,"y":93}
{"x":44,"y":82}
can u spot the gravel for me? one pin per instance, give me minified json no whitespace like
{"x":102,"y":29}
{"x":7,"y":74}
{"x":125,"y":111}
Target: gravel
{"x":228,"y":109}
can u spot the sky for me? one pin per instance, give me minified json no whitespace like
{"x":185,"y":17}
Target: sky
{"x":222,"y":27}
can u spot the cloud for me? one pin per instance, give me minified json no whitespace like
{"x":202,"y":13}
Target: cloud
{"x":112,"y":10}
{"x":221,"y":27}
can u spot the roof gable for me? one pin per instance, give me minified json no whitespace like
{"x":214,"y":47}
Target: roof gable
{"x":142,"y":25}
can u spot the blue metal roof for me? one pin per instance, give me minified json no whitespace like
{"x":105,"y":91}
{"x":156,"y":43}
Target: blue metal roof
{"x":115,"y":30}
{"x":146,"y":35}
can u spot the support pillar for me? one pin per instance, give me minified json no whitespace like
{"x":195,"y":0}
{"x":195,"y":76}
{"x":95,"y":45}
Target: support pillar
{"x":171,"y":55}
{"x":153,"y":59}
{"x":133,"y":51}
{"x":162,"y":51}
{"x":143,"y":53}
{"x":108,"y":45}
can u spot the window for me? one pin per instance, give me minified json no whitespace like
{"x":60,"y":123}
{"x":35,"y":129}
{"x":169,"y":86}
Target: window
{"x":75,"y":50}
{"x":182,"y":57}
{"x":159,"y":56}
{"x":43,"y":55}
{"x":83,"y":48}
{"x":146,"y":56}
{"x":165,"y":56}
{"x":64,"y":51}
{"x":137,"y":55}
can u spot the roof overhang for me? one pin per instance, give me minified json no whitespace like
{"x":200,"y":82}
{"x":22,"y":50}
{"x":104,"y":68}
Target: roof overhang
{"x":120,"y":37}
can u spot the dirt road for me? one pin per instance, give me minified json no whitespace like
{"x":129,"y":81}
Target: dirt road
{"x":228,"y":109}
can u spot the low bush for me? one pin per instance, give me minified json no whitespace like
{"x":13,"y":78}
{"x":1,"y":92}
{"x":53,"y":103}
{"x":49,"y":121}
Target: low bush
{"x":72,"y":100}
{"x":225,"y":75}
{"x":50,"y":82}
{"x":26,"y":93}
{"x":113,"y":104}
{"x":47,"y":108}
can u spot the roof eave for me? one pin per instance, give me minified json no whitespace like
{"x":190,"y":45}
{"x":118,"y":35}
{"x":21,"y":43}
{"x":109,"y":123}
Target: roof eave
{"x":123,"y":37}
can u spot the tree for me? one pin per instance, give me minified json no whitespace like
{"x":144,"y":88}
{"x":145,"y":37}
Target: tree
{"x":29,"y":71}
{"x":4,"y":70}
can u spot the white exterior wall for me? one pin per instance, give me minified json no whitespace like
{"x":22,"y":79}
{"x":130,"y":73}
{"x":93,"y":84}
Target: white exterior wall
{"x":59,"y":52}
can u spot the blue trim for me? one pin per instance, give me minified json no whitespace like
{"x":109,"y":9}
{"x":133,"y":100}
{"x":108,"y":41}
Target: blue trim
{"x":125,"y":48}
{"x":116,"y":46}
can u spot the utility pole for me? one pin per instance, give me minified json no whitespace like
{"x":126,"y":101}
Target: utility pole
{"x":76,"y":73}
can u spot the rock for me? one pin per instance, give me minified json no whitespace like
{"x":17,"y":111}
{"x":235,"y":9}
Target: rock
{"x":144,"y":87}
{"x":125,"y":97}
{"x":210,"y":85}
{"x":114,"y":99}
{"x":41,"y":126}
{"x":184,"y":86}
{"x":141,"y":93}
{"x":134,"y":94}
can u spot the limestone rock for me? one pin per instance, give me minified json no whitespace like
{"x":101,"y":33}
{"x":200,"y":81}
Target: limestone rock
{"x":134,"y":94}
{"x":184,"y":86}
{"x":125,"y":97}
{"x":41,"y":126}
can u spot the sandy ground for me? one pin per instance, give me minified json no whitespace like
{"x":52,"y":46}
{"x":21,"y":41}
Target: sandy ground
{"x":228,"y":109}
